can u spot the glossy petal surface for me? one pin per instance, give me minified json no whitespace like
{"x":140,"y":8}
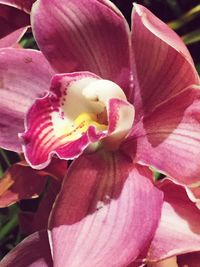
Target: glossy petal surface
{"x":107,"y":211}
{"x":84,"y":35}
{"x":24,"y":76}
{"x":169,"y":139}
{"x":179,"y":228}
{"x":162,"y":65}
{"x":34,"y":251}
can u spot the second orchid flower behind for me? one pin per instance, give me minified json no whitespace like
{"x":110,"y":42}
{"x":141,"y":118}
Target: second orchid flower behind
{"x":131,"y":98}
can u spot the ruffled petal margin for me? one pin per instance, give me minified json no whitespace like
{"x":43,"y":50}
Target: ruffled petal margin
{"x":24,"y":75}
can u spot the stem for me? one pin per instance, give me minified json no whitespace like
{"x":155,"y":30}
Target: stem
{"x":4,"y":156}
{"x":192,"y":37}
{"x":8,"y":227}
{"x":187,"y":17}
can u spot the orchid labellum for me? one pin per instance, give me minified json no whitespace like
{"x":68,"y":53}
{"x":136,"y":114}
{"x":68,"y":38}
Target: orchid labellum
{"x":115,"y":101}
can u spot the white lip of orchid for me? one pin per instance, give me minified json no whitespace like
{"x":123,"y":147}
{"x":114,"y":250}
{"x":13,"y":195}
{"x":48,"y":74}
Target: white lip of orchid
{"x":103,"y":91}
{"x":86,"y":104}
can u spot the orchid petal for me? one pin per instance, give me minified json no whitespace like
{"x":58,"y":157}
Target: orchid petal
{"x":33,"y":251}
{"x":168,"y":139}
{"x":106,"y":212}
{"x":190,"y":260}
{"x":20,"y":181}
{"x":73,"y":115}
{"x":31,"y":222}
{"x":24,"y":5}
{"x":179,"y":230}
{"x":90,"y":36}
{"x":13,"y":38}
{"x":12,"y":19}
{"x":162,"y":64}
{"x":13,"y":23}
{"x":24,"y":76}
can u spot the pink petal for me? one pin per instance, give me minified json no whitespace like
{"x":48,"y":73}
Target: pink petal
{"x":84,"y":36}
{"x":45,"y":126}
{"x":193,"y":192}
{"x":20,"y":181}
{"x":106,"y":213}
{"x":24,"y":76}
{"x":12,"y":19}
{"x":162,"y":64}
{"x":33,"y":251}
{"x":179,"y":228}
{"x":31,"y":222}
{"x":169,"y":138}
{"x":53,"y":125}
{"x":12,"y":38}
{"x":24,"y":5}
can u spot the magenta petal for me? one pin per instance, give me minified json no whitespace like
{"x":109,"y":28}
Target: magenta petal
{"x":190,"y":260}
{"x":24,"y":76}
{"x":33,"y":251}
{"x":13,"y":38}
{"x":24,"y":5}
{"x":83,"y":36}
{"x":106,"y":213}
{"x":179,"y":228}
{"x":47,"y":130}
{"x":12,"y":19}
{"x":169,"y":137}
{"x":162,"y":64}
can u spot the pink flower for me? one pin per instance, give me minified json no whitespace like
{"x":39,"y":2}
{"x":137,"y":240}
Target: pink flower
{"x":108,"y":209}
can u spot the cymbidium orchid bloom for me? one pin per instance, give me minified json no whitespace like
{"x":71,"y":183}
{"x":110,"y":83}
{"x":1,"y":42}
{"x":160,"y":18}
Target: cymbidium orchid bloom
{"x":14,"y":20}
{"x":120,"y":101}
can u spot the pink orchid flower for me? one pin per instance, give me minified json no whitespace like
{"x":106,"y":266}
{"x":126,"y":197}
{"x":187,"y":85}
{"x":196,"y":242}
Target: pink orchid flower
{"x":176,"y":234}
{"x":14,"y":20}
{"x":130,"y":97}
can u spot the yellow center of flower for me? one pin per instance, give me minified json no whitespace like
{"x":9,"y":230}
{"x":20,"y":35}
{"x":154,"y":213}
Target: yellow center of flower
{"x":87,"y":105}
{"x":84,"y":120}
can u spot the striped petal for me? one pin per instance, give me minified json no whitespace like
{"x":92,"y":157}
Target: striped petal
{"x":24,"y":76}
{"x":80,"y":109}
{"x":179,"y":228}
{"x":33,"y":251}
{"x":169,"y":138}
{"x":87,"y":35}
{"x":105,"y":214}
{"x":162,"y":65}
